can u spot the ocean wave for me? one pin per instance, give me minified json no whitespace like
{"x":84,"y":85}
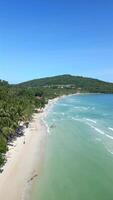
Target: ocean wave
{"x":82,"y":108}
{"x":109,"y":151}
{"x":91,"y":120}
{"x":58,"y":113}
{"x":109,"y":136}
{"x":101,"y":132}
{"x":47,"y":126}
{"x":84,"y":120}
{"x":77,"y":119}
{"x":63,"y":104}
{"x":110,"y":128}
{"x":97,"y":129}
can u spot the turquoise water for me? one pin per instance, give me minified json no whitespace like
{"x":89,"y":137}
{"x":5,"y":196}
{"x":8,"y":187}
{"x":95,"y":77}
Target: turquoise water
{"x":78,"y":162}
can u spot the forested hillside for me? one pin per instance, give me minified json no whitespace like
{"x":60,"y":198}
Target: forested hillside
{"x":68,"y":81}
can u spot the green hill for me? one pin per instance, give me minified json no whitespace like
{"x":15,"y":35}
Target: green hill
{"x":82,"y":84}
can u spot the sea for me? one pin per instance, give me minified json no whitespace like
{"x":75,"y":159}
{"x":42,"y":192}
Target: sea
{"x":78,"y":161}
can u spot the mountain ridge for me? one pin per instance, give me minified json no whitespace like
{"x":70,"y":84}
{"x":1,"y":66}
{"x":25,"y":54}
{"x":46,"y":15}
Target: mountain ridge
{"x":85,"y":84}
{"x":60,"y":76}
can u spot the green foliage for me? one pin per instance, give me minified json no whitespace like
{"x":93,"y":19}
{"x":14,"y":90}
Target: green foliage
{"x":75,"y":82}
{"x":3,"y":148}
{"x":16,"y":104}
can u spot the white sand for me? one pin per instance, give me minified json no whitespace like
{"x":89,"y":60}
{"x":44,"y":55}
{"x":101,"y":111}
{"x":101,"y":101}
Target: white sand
{"x":22,"y":159}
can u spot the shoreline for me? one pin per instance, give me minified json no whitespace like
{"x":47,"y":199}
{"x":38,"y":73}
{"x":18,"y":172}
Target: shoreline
{"x":23,"y":159}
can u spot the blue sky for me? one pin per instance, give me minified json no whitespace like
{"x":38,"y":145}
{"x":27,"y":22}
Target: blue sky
{"x":49,"y":37}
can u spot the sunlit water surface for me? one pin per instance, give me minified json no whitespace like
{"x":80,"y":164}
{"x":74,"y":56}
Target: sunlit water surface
{"x":78,"y":162}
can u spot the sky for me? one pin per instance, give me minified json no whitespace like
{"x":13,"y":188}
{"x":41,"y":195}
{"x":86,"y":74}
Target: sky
{"x":40,"y":38}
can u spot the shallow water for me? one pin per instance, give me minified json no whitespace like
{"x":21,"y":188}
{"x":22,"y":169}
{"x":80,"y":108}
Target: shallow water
{"x":78,"y":162}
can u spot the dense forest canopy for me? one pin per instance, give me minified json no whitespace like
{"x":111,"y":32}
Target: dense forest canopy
{"x":16,"y":105}
{"x":19,"y":102}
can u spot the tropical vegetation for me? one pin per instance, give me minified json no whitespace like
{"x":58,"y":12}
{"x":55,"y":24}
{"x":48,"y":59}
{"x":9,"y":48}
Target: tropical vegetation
{"x":19,"y":102}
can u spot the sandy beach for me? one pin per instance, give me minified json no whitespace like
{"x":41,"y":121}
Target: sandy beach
{"x":23,"y":160}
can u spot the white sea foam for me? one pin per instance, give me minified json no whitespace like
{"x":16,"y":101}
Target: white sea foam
{"x":77,"y":107}
{"x":100,"y":131}
{"x":109,"y":151}
{"x":62,"y":113}
{"x":77,"y":119}
{"x":64,"y":104}
{"x":110,"y":128}
{"x":109,"y":136}
{"x":84,"y":119}
{"x":58,"y":113}
{"x":90,"y":120}
{"x":47,"y":127}
{"x":73,"y":118}
{"x":97,"y":129}
{"x":81,"y":107}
